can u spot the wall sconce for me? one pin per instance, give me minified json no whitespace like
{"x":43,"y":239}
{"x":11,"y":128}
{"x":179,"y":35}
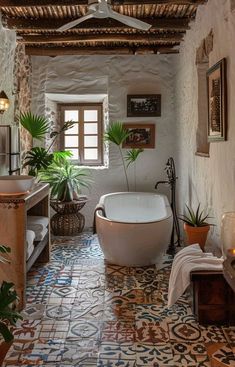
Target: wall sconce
{"x":4,"y":102}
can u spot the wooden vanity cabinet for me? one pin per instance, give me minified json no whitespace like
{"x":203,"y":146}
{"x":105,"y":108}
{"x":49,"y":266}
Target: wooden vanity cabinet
{"x":13,"y":225}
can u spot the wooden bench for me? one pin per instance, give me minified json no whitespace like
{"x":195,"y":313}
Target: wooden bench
{"x":213,"y":300}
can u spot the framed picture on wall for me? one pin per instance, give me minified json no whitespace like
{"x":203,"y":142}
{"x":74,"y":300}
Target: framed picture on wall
{"x":143,"y":105}
{"x":217,"y":101}
{"x":141,"y":136}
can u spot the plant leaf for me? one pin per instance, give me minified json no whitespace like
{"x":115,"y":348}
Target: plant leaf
{"x":116,"y":133}
{"x":36,"y":125}
{"x":132,"y":155}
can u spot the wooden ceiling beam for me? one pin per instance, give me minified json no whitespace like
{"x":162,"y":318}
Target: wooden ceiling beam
{"x":29,"y":3}
{"x":176,"y":37}
{"x":180,"y":24}
{"x":62,"y":51}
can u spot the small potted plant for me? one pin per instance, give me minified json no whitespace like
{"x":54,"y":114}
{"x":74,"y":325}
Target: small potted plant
{"x":196,"y":226}
{"x":66,"y":181}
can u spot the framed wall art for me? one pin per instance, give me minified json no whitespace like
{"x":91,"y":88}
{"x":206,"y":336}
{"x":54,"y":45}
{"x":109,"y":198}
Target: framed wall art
{"x":217,"y":101}
{"x":143,"y":105}
{"x":141,"y":136}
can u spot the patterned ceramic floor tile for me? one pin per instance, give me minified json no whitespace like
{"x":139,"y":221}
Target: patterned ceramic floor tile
{"x":220,"y":354}
{"x":84,"y":312}
{"x":118,"y":331}
{"x":213,"y":334}
{"x":119,"y":351}
{"x":38,"y":294}
{"x":33,"y":312}
{"x":26,"y":330}
{"x":185,"y":332}
{"x":53,"y":329}
{"x":229,"y":334}
{"x":93,"y":312}
{"x":122,"y":312}
{"x":77,"y":356}
{"x":149,"y":355}
{"x":84,"y":329}
{"x":58,"y":312}
{"x":151,"y":332}
{"x":148,"y":312}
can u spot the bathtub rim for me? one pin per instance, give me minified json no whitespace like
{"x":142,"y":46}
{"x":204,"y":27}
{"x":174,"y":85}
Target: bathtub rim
{"x":167,"y":204}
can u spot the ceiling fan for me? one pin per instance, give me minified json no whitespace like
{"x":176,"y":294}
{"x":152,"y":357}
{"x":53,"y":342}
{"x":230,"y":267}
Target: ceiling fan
{"x":102,"y":9}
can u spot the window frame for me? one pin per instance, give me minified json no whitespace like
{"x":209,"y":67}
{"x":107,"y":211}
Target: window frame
{"x":81,"y":107}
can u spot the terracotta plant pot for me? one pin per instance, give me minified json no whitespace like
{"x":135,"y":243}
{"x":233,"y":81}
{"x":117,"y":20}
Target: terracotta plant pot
{"x":196,"y":234}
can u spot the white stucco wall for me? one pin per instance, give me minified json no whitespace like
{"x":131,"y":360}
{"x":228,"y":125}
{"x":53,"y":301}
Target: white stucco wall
{"x":7,"y":52}
{"x":210,"y":181}
{"x":116,"y":77}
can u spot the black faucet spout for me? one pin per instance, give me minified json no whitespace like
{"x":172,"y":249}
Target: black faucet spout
{"x":161,"y":182}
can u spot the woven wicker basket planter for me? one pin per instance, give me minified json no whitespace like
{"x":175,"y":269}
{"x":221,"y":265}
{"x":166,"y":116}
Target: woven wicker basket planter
{"x":67,"y":221}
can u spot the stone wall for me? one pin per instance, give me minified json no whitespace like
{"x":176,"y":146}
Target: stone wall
{"x":7,"y":52}
{"x":210,"y":181}
{"x":22,"y":91}
{"x":115,"y":77}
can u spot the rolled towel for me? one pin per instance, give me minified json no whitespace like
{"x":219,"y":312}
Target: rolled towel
{"x":40,"y":235}
{"x":185,"y":262}
{"x":37,"y":223}
{"x":29,"y":251}
{"x":30,"y":237}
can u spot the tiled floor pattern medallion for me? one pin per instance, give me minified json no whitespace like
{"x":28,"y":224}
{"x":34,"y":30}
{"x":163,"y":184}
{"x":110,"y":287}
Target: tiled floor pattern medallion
{"x":83,"y":312}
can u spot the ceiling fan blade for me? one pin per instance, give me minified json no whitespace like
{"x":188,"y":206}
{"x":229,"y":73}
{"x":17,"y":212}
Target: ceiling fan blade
{"x":130,"y":21}
{"x":76,"y":22}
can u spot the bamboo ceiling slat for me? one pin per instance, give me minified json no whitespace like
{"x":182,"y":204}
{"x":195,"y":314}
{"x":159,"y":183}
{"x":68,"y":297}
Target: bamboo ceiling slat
{"x":36,"y":26}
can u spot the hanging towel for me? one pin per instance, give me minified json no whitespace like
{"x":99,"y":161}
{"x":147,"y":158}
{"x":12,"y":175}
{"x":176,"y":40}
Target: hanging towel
{"x":189,"y":259}
{"x":37,"y":223}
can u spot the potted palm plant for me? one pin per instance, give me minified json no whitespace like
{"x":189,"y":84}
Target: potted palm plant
{"x":196,"y":226}
{"x":66,"y":181}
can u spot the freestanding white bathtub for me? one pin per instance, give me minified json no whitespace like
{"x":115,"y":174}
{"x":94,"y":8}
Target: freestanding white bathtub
{"x":133,"y":228}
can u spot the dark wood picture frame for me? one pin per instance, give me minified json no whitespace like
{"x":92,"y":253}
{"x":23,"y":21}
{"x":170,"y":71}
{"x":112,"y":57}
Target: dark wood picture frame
{"x":142,"y":136}
{"x":217,"y":101}
{"x":143,"y":105}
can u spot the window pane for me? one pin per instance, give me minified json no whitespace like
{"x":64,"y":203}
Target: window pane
{"x":74,"y":152}
{"x":90,"y":115}
{"x":90,"y":154}
{"x":90,"y":128}
{"x":71,"y":115}
{"x":71,"y":141}
{"x":91,"y":141}
{"x":72,"y":130}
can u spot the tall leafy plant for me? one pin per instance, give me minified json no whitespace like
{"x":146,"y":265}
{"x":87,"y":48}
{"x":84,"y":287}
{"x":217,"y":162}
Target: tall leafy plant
{"x":117,"y":134}
{"x":8,"y":297}
{"x":39,"y":158}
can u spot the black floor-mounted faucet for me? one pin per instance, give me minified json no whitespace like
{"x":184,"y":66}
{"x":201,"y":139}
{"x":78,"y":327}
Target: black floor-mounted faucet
{"x":170,"y":171}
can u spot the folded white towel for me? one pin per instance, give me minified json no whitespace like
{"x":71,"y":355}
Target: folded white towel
{"x":30,"y":237}
{"x":37,"y":223}
{"x":29,"y":251}
{"x":40,"y":235}
{"x":187,"y":260}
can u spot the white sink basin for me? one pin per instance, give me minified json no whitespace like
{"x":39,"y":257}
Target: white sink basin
{"x":16,"y":185}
